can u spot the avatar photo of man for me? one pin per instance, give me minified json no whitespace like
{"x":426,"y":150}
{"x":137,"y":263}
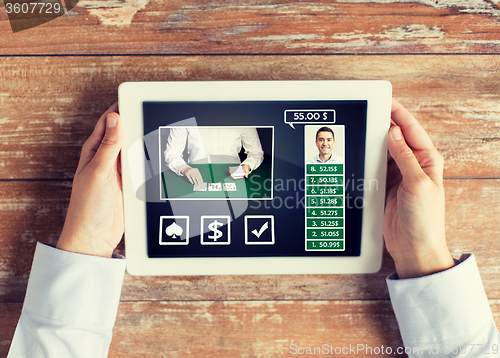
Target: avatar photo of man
{"x":324,"y":144}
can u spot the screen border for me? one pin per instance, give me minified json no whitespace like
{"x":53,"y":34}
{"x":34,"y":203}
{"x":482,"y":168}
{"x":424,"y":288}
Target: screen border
{"x":131,"y":96}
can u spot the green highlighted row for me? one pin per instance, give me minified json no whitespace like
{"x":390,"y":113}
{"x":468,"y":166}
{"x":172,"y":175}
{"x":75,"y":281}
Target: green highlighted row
{"x":316,"y":212}
{"x":319,"y":223}
{"x":325,"y":234}
{"x":325,"y":245}
{"x":324,"y":168}
{"x":322,"y":201}
{"x":324,"y":180}
{"x":325,"y":190}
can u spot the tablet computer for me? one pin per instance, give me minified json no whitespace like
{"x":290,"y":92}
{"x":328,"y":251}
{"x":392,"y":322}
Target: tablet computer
{"x":254,"y":177}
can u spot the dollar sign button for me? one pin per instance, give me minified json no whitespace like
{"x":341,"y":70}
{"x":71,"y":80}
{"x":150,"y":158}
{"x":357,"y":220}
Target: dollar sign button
{"x":214,"y":226}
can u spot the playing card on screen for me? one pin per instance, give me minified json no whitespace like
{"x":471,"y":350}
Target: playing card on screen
{"x":229,"y":187}
{"x":201,"y":187}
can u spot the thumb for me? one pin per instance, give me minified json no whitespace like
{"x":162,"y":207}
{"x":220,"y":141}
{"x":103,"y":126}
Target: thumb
{"x":403,"y":156}
{"x":111,"y":143}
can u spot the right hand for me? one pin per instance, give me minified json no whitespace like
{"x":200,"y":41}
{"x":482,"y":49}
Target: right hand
{"x":193,"y":175}
{"x":247,"y":169}
{"x":414,"y":227}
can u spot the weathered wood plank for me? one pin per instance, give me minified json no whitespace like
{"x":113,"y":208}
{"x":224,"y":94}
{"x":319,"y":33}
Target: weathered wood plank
{"x":45,"y":122}
{"x":270,"y":26}
{"x":9,"y":316}
{"x":236,"y":329}
{"x":250,"y":329}
{"x":31,"y":211}
{"x":242,"y":328}
{"x":49,"y":105}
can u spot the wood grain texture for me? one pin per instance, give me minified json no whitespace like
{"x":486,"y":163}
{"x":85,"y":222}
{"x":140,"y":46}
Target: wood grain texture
{"x":35,"y":211}
{"x":241,"y":328}
{"x":441,"y":57}
{"x":457,"y":99}
{"x":9,"y":316}
{"x":249,"y":329}
{"x":255,"y":329}
{"x":29,"y":212}
{"x":269,"y":26}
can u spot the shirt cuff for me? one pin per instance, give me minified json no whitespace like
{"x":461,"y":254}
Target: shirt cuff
{"x":74,"y":288}
{"x":442,"y":306}
{"x":178,"y":169}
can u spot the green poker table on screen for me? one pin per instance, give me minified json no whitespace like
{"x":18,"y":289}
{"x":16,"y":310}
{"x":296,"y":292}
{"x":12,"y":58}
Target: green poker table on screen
{"x":257,"y":185}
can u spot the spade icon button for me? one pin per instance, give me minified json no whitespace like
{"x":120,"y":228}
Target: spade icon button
{"x":174,"y":230}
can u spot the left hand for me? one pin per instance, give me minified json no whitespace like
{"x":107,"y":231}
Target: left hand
{"x":94,"y":222}
{"x":247,"y":169}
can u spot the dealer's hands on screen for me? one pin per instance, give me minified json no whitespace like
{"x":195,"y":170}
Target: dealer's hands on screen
{"x":414,"y":227}
{"x":193,"y":175}
{"x":247,"y":169}
{"x":94,"y":222}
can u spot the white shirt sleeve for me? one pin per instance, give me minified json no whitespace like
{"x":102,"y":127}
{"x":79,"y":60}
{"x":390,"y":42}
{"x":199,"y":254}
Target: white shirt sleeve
{"x":176,"y":144}
{"x":70,"y":306}
{"x":212,"y":145}
{"x":253,"y":148}
{"x":446,"y":314}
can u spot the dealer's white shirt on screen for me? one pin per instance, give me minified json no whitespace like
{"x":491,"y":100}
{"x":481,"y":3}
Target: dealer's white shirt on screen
{"x":334,"y":159}
{"x":212,"y":145}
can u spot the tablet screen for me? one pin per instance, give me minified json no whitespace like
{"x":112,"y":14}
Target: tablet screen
{"x":254,"y":178}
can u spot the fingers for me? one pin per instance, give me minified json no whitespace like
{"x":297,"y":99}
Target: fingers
{"x":418,"y":141}
{"x":190,"y":178}
{"x":197,"y":177}
{"x":187,"y":174}
{"x":93,"y":143}
{"x":246,"y":168}
{"x":194,"y":176}
{"x":403,"y":156}
{"x":416,"y":136}
{"x":111,"y":143}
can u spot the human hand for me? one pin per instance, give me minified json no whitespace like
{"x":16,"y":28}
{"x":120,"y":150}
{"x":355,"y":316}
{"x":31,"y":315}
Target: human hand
{"x":94,"y":222}
{"x":247,"y":169}
{"x":193,"y":175}
{"x":414,"y":227}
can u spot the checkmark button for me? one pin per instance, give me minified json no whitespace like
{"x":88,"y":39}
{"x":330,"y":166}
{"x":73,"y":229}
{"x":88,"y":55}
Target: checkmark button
{"x":259,"y":230}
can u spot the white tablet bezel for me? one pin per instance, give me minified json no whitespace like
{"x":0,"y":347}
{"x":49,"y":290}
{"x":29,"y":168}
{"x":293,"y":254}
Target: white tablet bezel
{"x":377,"y":93}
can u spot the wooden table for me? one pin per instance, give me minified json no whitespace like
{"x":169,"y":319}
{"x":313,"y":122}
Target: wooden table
{"x":57,"y":78}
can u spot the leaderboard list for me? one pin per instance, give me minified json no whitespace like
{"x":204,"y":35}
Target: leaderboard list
{"x":325,"y":229}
